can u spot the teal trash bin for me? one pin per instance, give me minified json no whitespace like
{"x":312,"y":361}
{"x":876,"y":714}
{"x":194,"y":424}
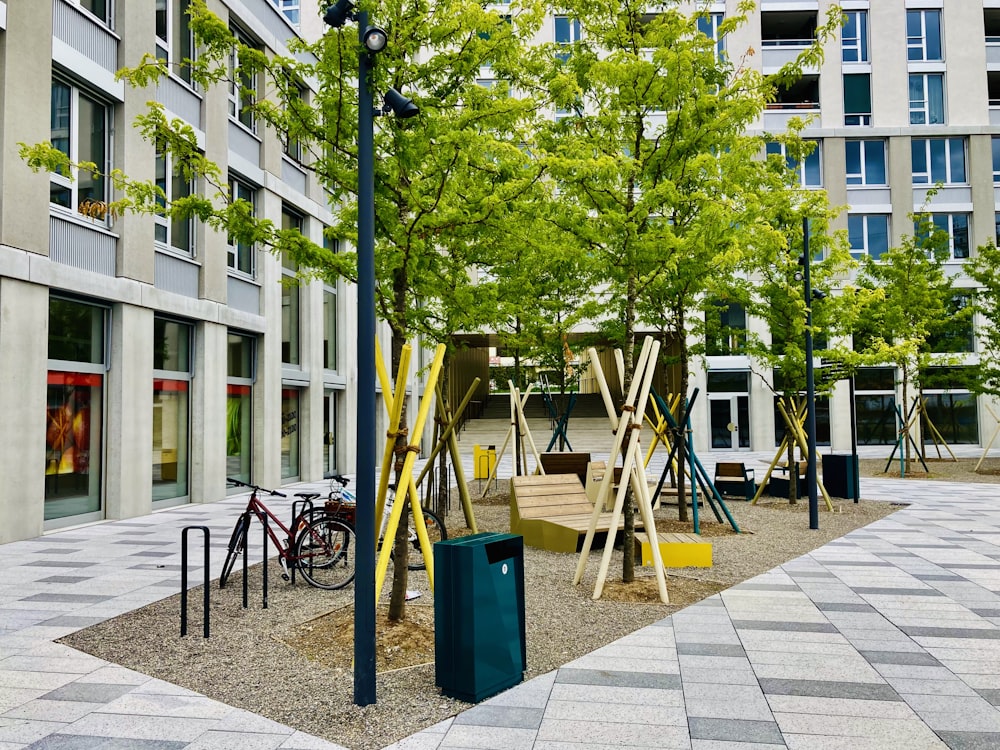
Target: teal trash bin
{"x":841,"y":475}
{"x":479,"y":640}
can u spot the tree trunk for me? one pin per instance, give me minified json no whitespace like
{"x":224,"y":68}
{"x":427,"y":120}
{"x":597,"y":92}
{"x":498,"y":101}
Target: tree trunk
{"x":682,"y":509}
{"x":628,"y":534}
{"x":397,"y":599}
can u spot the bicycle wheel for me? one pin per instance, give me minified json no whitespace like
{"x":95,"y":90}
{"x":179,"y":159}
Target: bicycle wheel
{"x":325,"y":553}
{"x":236,"y":544}
{"x":436,"y":532}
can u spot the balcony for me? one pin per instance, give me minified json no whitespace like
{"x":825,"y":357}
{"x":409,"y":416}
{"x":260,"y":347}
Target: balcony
{"x":991,"y":25}
{"x":799,"y":99}
{"x":784,"y":34}
{"x":993,"y":89}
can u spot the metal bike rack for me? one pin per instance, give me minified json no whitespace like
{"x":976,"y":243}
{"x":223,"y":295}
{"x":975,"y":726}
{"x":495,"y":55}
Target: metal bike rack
{"x":265,"y":524}
{"x":184,"y":579}
{"x":246,"y":582}
{"x":307,"y":507}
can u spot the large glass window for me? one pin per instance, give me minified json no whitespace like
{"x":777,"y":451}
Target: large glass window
{"x":939,"y":160}
{"x":866,"y":164}
{"x":926,"y":98}
{"x":875,"y":405}
{"x":79,"y":128}
{"x":567,"y":32}
{"x":995,"y":143}
{"x":242,"y":86}
{"x":950,"y":407}
{"x":808,"y":170}
{"x":956,"y":226}
{"x":868,"y":234}
{"x":290,"y":8}
{"x":239,"y":406}
{"x":176,"y":232}
{"x":923,"y":35}
{"x":290,"y":433}
{"x":174,"y":40}
{"x":858,"y":99}
{"x":171,"y":408}
{"x":708,"y":24}
{"x":954,"y":332}
{"x":74,"y":415}
{"x":725,"y":329}
{"x":100,"y":9}
{"x":854,"y":36}
{"x":290,"y":318}
{"x":241,"y":254}
{"x":329,"y":328}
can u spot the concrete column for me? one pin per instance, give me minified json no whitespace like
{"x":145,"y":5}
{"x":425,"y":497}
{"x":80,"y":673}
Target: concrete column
{"x":267,"y":388}
{"x":208,"y":414}
{"x":25,"y":82}
{"x":983,"y":195}
{"x":129,"y":462}
{"x":24,"y":317}
{"x":901,"y":188}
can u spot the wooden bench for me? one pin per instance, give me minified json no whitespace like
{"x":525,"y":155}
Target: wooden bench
{"x":565,"y":462}
{"x":734,"y":479}
{"x":779,"y":485}
{"x":551,"y":511}
{"x":676,"y":550}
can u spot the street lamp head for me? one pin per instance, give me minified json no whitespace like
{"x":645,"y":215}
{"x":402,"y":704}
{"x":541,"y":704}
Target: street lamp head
{"x":339,"y":13}
{"x":818,"y":294}
{"x":399,"y":105}
{"x":375,"y":39}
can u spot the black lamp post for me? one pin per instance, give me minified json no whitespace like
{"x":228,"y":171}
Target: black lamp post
{"x":810,"y":386}
{"x":372,"y":41}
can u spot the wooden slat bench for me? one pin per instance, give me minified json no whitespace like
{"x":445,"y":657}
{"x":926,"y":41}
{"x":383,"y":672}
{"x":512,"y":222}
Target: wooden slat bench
{"x":677,"y":550}
{"x":734,"y":479}
{"x":566,"y":462}
{"x":552,"y":512}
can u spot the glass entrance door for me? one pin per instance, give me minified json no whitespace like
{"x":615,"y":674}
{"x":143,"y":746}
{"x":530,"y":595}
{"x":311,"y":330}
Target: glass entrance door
{"x":329,"y":432}
{"x":729,"y":421}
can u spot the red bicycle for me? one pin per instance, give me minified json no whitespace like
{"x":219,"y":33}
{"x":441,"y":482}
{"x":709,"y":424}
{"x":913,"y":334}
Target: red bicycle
{"x":318,"y":545}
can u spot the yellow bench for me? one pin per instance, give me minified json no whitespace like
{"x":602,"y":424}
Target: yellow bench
{"x":676,"y":550}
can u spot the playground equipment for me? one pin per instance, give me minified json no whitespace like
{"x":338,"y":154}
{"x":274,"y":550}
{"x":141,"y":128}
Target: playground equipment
{"x":559,"y":421}
{"x":518,"y":429}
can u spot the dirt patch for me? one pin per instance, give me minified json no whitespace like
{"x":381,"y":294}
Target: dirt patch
{"x":942,"y":469}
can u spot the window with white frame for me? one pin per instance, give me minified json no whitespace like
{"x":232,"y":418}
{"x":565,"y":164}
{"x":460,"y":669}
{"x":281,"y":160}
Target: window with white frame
{"x":868,"y":234}
{"x":996,"y":158}
{"x":290,"y":8}
{"x":290,"y":298}
{"x":174,"y":39}
{"x":567,"y":32}
{"x":926,"y":98}
{"x":854,"y":37}
{"x":858,"y":99}
{"x":175,"y":233}
{"x":80,"y":128}
{"x":708,"y":24}
{"x":923,"y":35}
{"x":102,"y":10}
{"x":297,"y":98}
{"x":866,"y":163}
{"x":242,"y":254}
{"x":242,"y":85}
{"x":939,"y":160}
{"x":956,"y":226}
{"x":808,"y":170}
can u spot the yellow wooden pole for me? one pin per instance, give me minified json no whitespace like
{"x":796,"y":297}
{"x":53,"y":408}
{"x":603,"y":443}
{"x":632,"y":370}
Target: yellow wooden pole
{"x":996,"y":431}
{"x":394,"y":401}
{"x":406,"y":476}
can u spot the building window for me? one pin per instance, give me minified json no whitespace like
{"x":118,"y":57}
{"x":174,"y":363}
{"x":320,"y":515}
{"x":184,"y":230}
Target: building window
{"x":79,"y":128}
{"x":173,"y":232}
{"x":293,"y":146}
{"x":290,"y":317}
{"x":926,"y":98}
{"x":875,"y":405}
{"x":854,"y":36}
{"x":290,"y":433}
{"x":708,"y":24}
{"x":802,"y":93}
{"x":796,"y":28}
{"x":567,"y":32}
{"x":949,"y":405}
{"x":858,"y":99}
{"x":725,"y":329}
{"x":100,"y":9}
{"x":171,"y":407}
{"x":953,"y":333}
{"x":174,"y":40}
{"x":866,"y":163}
{"x":995,"y":142}
{"x":938,"y":160}
{"x":290,"y":8}
{"x":239,"y":406}
{"x":868,"y":234}
{"x":242,"y":254}
{"x":956,"y":226}
{"x":808,"y":171}
{"x":74,"y":415}
{"x":923,"y":35}
{"x":242,"y":85}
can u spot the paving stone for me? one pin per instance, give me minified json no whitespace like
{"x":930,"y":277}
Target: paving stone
{"x":618,"y":679}
{"x":88,"y":692}
{"x":82,"y":742}
{"x":503,"y":716}
{"x":969,"y":633}
{"x":710,"y":649}
{"x":735,"y":730}
{"x":901,"y":657}
{"x":829,"y":689}
{"x":971,"y":740}
{"x":802,"y":627}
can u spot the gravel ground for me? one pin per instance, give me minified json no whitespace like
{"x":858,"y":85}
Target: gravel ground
{"x":247,"y":663}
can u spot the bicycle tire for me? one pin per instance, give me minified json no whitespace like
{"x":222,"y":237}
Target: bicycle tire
{"x":436,"y":532}
{"x":236,"y":544}
{"x":325,"y":553}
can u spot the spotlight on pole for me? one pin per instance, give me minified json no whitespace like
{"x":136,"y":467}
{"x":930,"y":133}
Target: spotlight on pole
{"x":375,"y":39}
{"x":399,"y":105}
{"x":339,"y":13}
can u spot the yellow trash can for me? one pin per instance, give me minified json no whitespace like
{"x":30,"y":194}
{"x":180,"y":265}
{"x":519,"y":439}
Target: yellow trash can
{"x":483,"y":461}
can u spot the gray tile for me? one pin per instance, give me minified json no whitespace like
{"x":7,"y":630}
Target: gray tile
{"x":971,"y":740}
{"x":734,"y":730}
{"x":987,"y":612}
{"x":152,"y":553}
{"x":810,"y":574}
{"x":801,"y":627}
{"x":859,"y":563}
{"x":58,"y":564}
{"x":73,"y":621}
{"x":709,"y":649}
{"x":619,"y":679}
{"x":65,"y":579}
{"x":990,"y":694}
{"x":141,"y":542}
{"x":913,"y":658}
{"x":67,"y":598}
{"x":766,"y":587}
{"x":970,"y":633}
{"x":88,"y":692}
{"x":936,"y":577}
{"x":844,"y":607}
{"x":502,"y":716}
{"x":974,"y":566}
{"x":83,"y":742}
{"x":890,"y":591}
{"x":829,"y":689}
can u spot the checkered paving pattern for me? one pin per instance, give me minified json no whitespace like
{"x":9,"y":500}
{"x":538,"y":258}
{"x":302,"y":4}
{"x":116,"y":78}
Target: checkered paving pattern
{"x":886,"y":638}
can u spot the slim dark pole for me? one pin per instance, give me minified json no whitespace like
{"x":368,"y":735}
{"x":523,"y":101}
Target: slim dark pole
{"x":364,"y":583}
{"x":810,"y":387}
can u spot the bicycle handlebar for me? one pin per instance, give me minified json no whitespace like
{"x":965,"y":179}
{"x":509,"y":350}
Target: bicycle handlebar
{"x":342,"y":480}
{"x":254,"y":487}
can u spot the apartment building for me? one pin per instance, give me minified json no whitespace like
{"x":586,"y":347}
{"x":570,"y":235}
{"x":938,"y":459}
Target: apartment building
{"x":143,"y":361}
